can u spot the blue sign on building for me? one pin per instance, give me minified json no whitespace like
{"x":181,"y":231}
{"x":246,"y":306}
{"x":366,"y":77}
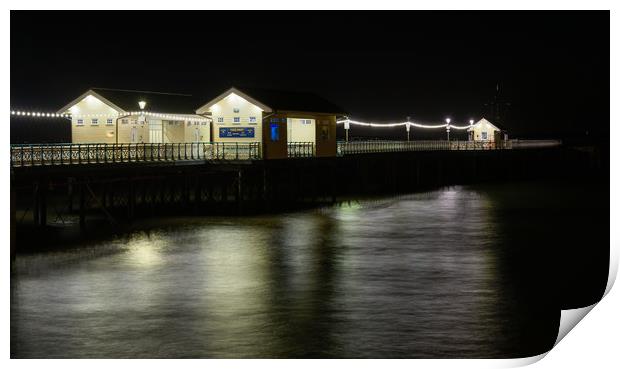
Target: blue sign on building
{"x":232,"y":132}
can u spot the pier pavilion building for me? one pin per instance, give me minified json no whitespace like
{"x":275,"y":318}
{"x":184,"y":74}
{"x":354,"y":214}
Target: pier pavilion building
{"x":483,"y":130}
{"x":275,"y":119}
{"x":124,"y":116}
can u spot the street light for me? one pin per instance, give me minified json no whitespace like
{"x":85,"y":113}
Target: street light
{"x":408,"y":125}
{"x":448,"y":128}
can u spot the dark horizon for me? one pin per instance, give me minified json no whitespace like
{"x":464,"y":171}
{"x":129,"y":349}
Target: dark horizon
{"x":553,"y":67}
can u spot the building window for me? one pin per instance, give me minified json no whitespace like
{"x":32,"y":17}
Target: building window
{"x":235,"y":110}
{"x":109,"y":122}
{"x":80,"y":122}
{"x":220,"y":119}
{"x":204,"y":122}
{"x":252,"y":119}
{"x":275,"y":131}
{"x":94,"y":122}
{"x":236,"y":120}
{"x":305,"y":121}
{"x":484,"y":135}
{"x":124,"y":121}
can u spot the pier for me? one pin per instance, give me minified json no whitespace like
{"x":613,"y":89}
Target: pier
{"x":103,"y":153}
{"x":70,"y":184}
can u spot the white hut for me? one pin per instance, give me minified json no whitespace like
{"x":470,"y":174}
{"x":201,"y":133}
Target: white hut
{"x":483,"y":130}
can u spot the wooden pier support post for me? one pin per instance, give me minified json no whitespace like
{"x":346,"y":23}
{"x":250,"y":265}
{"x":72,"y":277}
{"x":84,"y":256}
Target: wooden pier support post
{"x":82,"y":205}
{"x":104,"y":195}
{"x":264,"y":188}
{"x":239,"y":196}
{"x":70,"y":194}
{"x":35,"y":203}
{"x":417,"y":172}
{"x":43,"y":187}
{"x":131,"y":200}
{"x":186,"y":191}
{"x":334,"y":181}
{"x":197,"y":195}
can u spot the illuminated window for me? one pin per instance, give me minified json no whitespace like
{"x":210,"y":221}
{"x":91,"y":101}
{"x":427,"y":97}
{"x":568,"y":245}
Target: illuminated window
{"x":483,"y":135}
{"x":236,"y":120}
{"x":80,"y":122}
{"x":252,"y":119}
{"x":275,"y":131}
{"x":109,"y":122}
{"x":94,"y":122}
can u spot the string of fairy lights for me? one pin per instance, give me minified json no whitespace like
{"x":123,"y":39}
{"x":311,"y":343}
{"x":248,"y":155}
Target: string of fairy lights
{"x":39,"y":114}
{"x":347,"y":122}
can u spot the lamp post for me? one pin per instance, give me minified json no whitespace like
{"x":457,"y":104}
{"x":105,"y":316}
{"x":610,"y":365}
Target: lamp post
{"x":141,"y":119}
{"x":448,"y":128}
{"x":408,"y":126}
{"x":347,"y":125}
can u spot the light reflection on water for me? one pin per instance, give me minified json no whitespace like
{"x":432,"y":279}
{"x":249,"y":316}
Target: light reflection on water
{"x":413,"y":276}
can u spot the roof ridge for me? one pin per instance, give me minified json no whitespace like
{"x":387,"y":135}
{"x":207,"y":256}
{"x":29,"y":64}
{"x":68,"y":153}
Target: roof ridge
{"x":269,"y":89}
{"x":147,"y":92}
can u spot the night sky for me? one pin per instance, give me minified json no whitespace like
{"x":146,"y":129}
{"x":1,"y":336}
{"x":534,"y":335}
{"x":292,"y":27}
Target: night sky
{"x":553,"y":67}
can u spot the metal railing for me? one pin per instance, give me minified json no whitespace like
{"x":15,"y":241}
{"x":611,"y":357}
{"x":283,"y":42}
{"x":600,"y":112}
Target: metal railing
{"x":98,"y":153}
{"x":300,"y":149}
{"x":365,"y":147}
{"x":534,"y":144}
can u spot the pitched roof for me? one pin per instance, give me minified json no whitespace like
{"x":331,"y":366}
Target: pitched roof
{"x":293,"y":100}
{"x":484,"y":121}
{"x":127,"y":100}
{"x":272,"y":100}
